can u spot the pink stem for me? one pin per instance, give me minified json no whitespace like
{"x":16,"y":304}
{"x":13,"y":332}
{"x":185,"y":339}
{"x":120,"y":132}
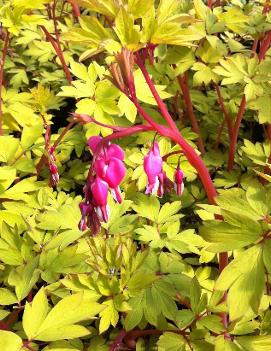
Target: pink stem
{"x":59,"y":53}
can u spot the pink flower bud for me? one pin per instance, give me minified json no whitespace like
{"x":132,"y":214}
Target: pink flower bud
{"x":178,"y":177}
{"x":54,"y":176}
{"x":53,"y":168}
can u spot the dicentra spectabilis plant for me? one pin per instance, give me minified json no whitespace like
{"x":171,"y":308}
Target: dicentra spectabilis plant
{"x":135,"y":157}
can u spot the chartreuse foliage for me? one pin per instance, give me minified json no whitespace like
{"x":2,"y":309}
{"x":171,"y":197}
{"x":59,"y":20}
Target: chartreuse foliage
{"x":150,"y":279}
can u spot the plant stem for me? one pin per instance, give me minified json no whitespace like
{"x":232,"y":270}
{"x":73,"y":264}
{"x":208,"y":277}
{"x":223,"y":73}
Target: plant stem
{"x":43,"y":159}
{"x":59,"y":53}
{"x":264,"y":47}
{"x":235,"y":132}
{"x":2,"y":63}
{"x":223,"y":108}
{"x":219,"y":134}
{"x":118,"y":341}
{"x":75,"y":9}
{"x":177,"y":152}
{"x":183,"y":82}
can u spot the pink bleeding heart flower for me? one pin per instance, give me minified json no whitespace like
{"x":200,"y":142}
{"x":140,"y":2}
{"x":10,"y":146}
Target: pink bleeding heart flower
{"x":116,"y":151}
{"x":99,"y":189}
{"x":93,"y":142}
{"x":112,"y":171}
{"x":153,"y":166}
{"x":178,"y":178}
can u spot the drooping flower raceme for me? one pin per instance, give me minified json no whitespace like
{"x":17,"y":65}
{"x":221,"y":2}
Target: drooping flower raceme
{"x":106,"y":172}
{"x":158,"y":182}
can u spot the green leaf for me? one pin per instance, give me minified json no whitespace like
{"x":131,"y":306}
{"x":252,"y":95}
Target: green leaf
{"x":263,"y":106}
{"x":171,"y":342}
{"x":168,"y":212}
{"x":225,"y":237}
{"x":65,"y":217}
{"x":30,"y":134}
{"x":7,"y":297}
{"x":147,"y":206}
{"x":201,"y":9}
{"x":24,"y":278}
{"x":134,"y":317}
{"x":213,"y":323}
{"x":184,"y":318}
{"x":35,"y":314}
{"x":125,"y":29}
{"x":61,"y":321}
{"x":10,"y":341}
{"x":255,"y":342}
{"x":8,"y":148}
{"x":127,"y":108}
{"x":222,"y":344}
{"x":204,"y":74}
{"x":195,"y":293}
{"x":109,"y":316}
{"x":245,"y":282}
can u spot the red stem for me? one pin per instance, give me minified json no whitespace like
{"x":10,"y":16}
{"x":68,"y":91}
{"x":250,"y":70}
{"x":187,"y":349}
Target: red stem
{"x":75,"y":9}
{"x":141,"y":64}
{"x":165,"y":157}
{"x":235,"y":132}
{"x":59,"y":53}
{"x":223,"y":108}
{"x":127,"y":132}
{"x":118,"y":341}
{"x":88,"y":119}
{"x":219,"y":133}
{"x":183,"y":82}
{"x":55,"y":24}
{"x":2,"y":63}
{"x":210,"y":3}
